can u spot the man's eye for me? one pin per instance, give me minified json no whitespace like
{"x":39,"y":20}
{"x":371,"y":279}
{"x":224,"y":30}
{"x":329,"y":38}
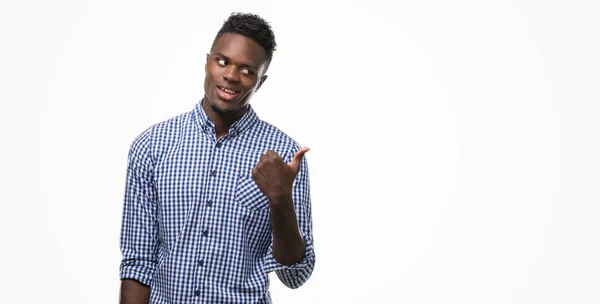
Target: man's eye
{"x":247,"y":72}
{"x":221,"y":62}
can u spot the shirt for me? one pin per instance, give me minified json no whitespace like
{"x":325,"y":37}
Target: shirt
{"x":195,"y":227}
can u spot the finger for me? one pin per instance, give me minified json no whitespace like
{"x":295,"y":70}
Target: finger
{"x":263,"y":158}
{"x":257,"y":174}
{"x":263,"y":168}
{"x":295,"y":163}
{"x":260,"y":166}
{"x":265,"y":163}
{"x":272,"y":154}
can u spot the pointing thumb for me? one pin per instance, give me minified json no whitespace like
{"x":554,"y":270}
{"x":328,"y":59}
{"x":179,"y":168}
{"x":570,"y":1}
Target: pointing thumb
{"x":295,"y":163}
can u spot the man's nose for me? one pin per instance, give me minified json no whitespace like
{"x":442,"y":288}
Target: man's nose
{"x":231,"y":73}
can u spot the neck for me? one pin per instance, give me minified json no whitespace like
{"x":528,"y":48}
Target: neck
{"x":222,"y":120}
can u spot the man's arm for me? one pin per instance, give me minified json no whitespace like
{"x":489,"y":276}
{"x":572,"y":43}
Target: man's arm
{"x":134,"y":292}
{"x":286,"y":185}
{"x":139,"y":241}
{"x":288,"y":245}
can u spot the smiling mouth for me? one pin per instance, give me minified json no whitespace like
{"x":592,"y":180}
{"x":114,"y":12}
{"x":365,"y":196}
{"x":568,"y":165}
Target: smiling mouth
{"x":227,"y":94}
{"x":228,"y":91}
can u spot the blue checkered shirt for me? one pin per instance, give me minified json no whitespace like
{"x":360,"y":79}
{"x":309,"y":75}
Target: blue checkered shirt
{"x":196,"y":228}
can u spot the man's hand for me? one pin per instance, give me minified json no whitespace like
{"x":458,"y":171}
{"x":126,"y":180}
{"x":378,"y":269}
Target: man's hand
{"x":275,"y":178}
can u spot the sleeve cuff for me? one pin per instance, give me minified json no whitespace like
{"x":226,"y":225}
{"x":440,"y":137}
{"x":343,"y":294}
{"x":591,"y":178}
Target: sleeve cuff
{"x":141,"y":271}
{"x":270,"y":264}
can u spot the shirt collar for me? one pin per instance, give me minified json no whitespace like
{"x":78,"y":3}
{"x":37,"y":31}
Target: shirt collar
{"x":206,"y":125}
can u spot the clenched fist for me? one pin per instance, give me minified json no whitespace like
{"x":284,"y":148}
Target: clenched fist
{"x":274,"y":177}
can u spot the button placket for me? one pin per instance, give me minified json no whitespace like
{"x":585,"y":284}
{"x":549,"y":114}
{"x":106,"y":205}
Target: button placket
{"x":200,"y":272}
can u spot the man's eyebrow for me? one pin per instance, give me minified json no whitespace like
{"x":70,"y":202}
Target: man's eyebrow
{"x":242,"y":64}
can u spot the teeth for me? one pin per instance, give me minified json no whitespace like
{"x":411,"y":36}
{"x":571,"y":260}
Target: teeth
{"x":228,"y":91}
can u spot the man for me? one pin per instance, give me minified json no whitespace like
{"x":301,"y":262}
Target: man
{"x":216,"y":198}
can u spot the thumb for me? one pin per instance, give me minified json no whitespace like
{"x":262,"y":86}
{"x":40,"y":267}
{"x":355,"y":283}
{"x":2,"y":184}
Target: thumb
{"x":295,"y":163}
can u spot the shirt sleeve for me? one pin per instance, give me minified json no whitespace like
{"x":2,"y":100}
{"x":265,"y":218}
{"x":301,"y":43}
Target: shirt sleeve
{"x":297,"y":274}
{"x":139,"y":242}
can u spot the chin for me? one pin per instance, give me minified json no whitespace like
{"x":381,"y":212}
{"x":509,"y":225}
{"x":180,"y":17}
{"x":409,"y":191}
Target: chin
{"x":220,"y":109}
{"x":221,"y":106}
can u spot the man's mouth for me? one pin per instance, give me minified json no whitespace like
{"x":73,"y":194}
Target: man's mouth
{"x":226,"y":93}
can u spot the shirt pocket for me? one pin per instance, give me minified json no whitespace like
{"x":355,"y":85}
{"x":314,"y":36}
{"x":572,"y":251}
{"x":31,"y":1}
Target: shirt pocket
{"x":249,"y":195}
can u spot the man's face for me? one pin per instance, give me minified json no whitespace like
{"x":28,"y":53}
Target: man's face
{"x":235,"y":69}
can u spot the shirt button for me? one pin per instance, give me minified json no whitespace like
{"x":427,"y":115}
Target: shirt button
{"x":219,"y":145}
{"x":205,"y":233}
{"x":209,"y":203}
{"x":197,"y":293}
{"x":213,"y":173}
{"x":201,"y":263}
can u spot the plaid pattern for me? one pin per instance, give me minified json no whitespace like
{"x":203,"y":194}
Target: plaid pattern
{"x":195,"y":227}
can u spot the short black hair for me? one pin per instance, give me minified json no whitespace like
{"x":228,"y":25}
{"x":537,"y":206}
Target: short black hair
{"x":253,"y":27}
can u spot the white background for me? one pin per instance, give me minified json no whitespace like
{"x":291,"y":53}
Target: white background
{"x":455,"y":144}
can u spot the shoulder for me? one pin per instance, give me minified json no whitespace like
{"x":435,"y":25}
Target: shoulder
{"x":274,"y":137}
{"x":158,"y":137}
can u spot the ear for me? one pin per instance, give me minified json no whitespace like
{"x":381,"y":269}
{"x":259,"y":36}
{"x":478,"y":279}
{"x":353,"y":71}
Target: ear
{"x":261,"y":81}
{"x":206,"y":63}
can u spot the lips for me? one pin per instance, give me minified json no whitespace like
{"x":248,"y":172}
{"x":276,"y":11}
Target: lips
{"x":227,"y":93}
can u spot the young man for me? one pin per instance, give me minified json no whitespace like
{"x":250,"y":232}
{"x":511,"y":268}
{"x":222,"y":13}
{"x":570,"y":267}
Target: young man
{"x":216,"y":198}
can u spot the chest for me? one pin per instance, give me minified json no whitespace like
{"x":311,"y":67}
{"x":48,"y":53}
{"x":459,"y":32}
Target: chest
{"x":200,"y":169}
